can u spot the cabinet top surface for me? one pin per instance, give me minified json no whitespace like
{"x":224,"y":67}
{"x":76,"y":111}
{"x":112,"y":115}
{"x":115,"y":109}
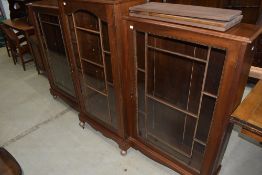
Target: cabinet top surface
{"x":242,"y":32}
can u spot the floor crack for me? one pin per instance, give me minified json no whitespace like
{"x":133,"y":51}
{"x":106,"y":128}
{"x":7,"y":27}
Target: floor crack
{"x":36,"y":127}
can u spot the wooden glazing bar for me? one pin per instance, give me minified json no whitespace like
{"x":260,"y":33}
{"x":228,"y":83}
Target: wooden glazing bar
{"x":201,"y":98}
{"x":188,"y":97}
{"x":210,"y":95}
{"x":171,"y":106}
{"x":51,"y":23}
{"x":104,"y":65}
{"x":141,"y":70}
{"x":88,"y":30}
{"x":146,"y":78}
{"x":92,"y":62}
{"x":94,"y":89}
{"x":77,"y":43}
{"x":200,"y":142}
{"x":178,"y":54}
{"x":107,"y":52}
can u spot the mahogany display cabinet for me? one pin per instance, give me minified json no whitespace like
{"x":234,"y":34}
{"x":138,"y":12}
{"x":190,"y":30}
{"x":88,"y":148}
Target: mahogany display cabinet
{"x":93,"y":34}
{"x":181,"y":85}
{"x":50,"y":36}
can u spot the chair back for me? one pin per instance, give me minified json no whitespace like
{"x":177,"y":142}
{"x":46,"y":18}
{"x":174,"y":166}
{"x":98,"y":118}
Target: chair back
{"x":11,"y":37}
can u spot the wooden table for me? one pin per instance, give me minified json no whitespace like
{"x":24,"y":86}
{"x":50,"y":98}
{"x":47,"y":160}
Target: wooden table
{"x":8,"y":164}
{"x":249,"y":113}
{"x":20,"y":25}
{"x":23,"y":26}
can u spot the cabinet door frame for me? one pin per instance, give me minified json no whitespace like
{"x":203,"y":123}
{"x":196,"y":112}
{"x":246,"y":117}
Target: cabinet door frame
{"x":54,"y":90}
{"x":105,"y":11}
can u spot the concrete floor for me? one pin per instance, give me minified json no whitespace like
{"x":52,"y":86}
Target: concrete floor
{"x":44,"y":136}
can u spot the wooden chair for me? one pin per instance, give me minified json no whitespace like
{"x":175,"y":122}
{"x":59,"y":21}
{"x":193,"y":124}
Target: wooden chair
{"x":17,"y":46}
{"x":5,"y":40}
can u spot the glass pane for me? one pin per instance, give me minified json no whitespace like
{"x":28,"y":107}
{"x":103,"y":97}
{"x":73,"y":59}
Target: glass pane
{"x":175,"y":79}
{"x":89,"y":45}
{"x":216,"y":64}
{"x":108,"y":68}
{"x":166,"y":126}
{"x":94,"y":76}
{"x":141,"y":90}
{"x":198,"y":156}
{"x":97,"y":80}
{"x":140,"y":49}
{"x":57,"y":58}
{"x":105,"y":36}
{"x":96,"y":105}
{"x":112,"y":105}
{"x":169,"y":115}
{"x":86,"y":20}
{"x":49,"y":18}
{"x":205,"y":118}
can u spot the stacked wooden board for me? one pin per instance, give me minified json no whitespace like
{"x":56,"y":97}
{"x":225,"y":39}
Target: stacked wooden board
{"x":198,"y":16}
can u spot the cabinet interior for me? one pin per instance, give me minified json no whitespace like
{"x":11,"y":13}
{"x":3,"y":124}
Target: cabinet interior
{"x":177,"y":84}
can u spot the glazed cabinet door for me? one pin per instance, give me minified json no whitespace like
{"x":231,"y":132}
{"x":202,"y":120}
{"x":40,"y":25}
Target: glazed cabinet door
{"x":56,"y":57}
{"x":89,"y":25}
{"x":177,"y":85}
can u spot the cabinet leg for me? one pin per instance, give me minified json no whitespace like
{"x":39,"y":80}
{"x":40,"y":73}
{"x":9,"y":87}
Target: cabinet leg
{"x":82,"y":124}
{"x":123,"y":152}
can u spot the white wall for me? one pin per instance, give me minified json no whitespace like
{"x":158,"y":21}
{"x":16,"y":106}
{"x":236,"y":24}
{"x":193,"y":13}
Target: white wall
{"x":6,"y":8}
